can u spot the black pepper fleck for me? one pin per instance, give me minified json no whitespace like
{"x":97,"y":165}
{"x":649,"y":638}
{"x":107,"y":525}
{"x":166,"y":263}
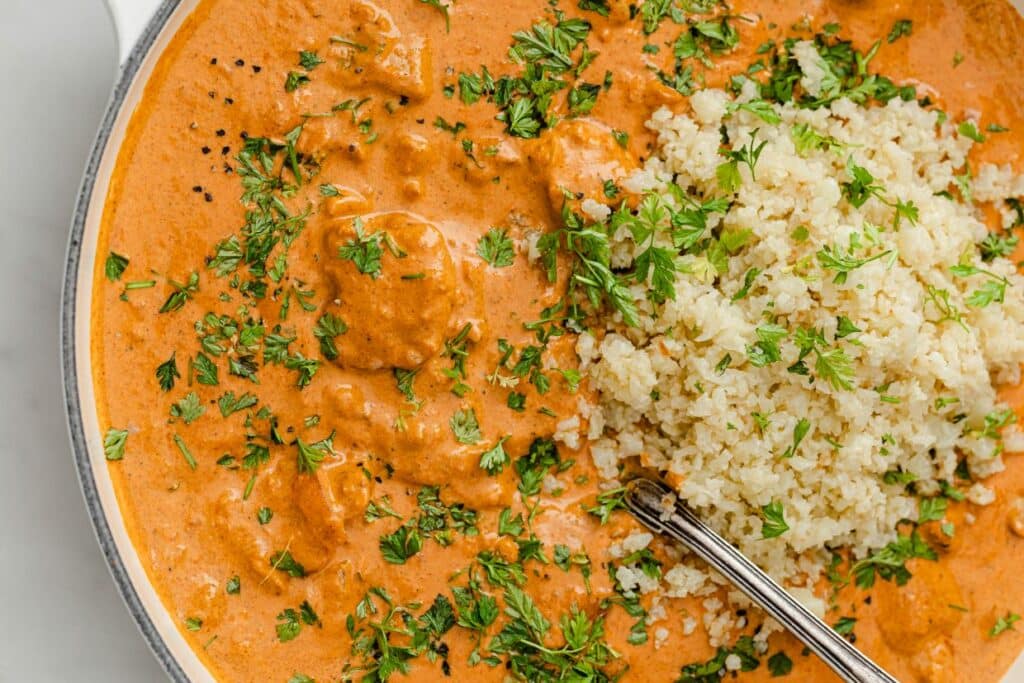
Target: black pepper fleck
{"x":197,"y":188}
{"x":206,"y":150}
{"x":229,"y":100}
{"x":208,"y":197}
{"x":221,"y":133}
{"x":239,"y":62}
{"x":212,"y":94}
{"x":225,"y":149}
{"x":256,"y":69}
{"x":244,"y":135}
{"x":403,"y":100}
{"x":213,"y":61}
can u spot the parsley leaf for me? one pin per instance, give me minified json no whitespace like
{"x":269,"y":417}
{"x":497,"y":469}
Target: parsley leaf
{"x":774,"y":520}
{"x":283,"y":561}
{"x":167,"y":372}
{"x":1004,"y":624}
{"x":836,"y":367}
{"x":969,"y":130}
{"x":364,"y":251}
{"x":115,"y":266}
{"x":508,"y":525}
{"x":931,"y":509}
{"x":496,"y":248}
{"x":185,"y":452}
{"x":779,"y":664}
{"x":188,"y":408}
{"x":329,"y":327}
{"x":114,"y":442}
{"x":901,"y":28}
{"x":399,"y":546}
{"x":443,"y":9}
{"x":309,"y":60}
{"x":229,"y":404}
{"x":888,"y":563}
{"x":800,"y":431}
{"x":607,"y":503}
{"x":465,"y":427}
{"x":264,"y":515}
{"x":311,"y":455}
{"x":295,"y":80}
{"x":494,"y":460}
{"x":844,"y":626}
{"x":288,"y":626}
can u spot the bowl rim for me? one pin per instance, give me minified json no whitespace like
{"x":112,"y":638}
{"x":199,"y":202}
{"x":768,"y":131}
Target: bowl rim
{"x":127,"y":74}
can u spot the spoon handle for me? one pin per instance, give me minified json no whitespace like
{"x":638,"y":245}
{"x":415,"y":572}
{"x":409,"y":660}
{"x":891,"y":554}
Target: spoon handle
{"x":646,"y":499}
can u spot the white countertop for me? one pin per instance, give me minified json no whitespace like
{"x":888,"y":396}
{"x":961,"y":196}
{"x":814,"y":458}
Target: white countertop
{"x":64,"y":620}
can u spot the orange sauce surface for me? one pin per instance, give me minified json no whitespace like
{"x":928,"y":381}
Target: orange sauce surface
{"x":175,"y":196}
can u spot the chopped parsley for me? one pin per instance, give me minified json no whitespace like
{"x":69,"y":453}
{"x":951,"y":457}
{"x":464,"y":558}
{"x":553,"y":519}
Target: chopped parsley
{"x":844,"y":626}
{"x":1004,"y":624}
{"x":295,"y":80}
{"x":457,"y":350}
{"x":327,"y":329}
{"x":188,"y":408}
{"x":283,"y":561}
{"x":167,"y":372}
{"x":309,"y":456}
{"x":968,"y":129}
{"x":888,"y":563}
{"x":443,"y":9}
{"x":993,"y":290}
{"x":309,"y":60}
{"x":714,"y":668}
{"x":115,"y":266}
{"x":181,"y":294}
{"x":465,"y":427}
{"x":848,"y":75}
{"x":774,"y":521}
{"x":230,"y":404}
{"x":114,"y":442}
{"x":800,"y":431}
{"x":264,"y":515}
{"x":496,"y":248}
{"x":364,"y":251}
{"x":185,"y":452}
{"x":493,"y":461}
{"x":901,"y":28}
{"x":779,"y":664}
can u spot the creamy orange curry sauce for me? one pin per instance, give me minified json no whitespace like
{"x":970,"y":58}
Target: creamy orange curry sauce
{"x":316,"y":339}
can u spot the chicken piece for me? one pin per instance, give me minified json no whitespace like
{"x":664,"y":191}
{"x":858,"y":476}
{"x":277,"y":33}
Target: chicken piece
{"x":375,"y":51}
{"x":337,"y":492}
{"x":577,"y":157}
{"x":394,"y":279}
{"x":916,"y":619}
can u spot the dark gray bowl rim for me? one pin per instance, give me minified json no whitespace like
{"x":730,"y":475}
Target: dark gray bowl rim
{"x":72,"y":400}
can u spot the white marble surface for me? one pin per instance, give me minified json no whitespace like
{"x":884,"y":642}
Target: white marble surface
{"x":64,"y":620}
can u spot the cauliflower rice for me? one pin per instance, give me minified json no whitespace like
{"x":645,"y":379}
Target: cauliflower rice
{"x":680,"y":393}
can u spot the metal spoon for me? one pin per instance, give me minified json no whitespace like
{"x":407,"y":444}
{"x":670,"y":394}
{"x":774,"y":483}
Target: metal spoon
{"x":646,"y":500}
